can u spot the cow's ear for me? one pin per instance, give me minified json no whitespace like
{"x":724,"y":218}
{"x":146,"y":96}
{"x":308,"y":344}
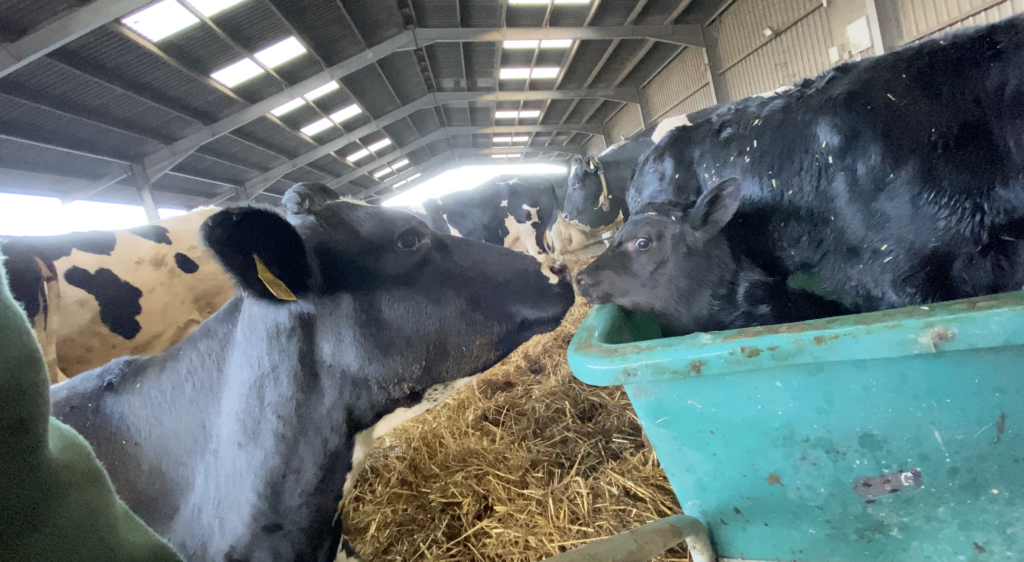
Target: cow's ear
{"x":261,"y":250}
{"x":306,"y":198}
{"x":715,"y":208}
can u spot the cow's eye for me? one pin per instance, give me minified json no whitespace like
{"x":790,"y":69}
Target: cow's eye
{"x":565,"y":216}
{"x":642,"y":243}
{"x":409,"y":239}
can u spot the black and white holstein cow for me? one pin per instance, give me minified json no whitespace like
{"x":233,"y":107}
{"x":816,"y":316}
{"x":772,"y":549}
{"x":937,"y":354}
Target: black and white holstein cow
{"x":236,"y":443}
{"x":895,"y":181}
{"x":514,"y":214}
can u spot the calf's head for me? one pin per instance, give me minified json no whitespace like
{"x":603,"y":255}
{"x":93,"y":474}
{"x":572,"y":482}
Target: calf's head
{"x":388,"y":300}
{"x":675,"y":265}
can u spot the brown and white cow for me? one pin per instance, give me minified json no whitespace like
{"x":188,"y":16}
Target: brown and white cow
{"x":95,"y":296}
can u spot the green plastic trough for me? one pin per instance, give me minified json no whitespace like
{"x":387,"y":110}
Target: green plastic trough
{"x":891,"y":436}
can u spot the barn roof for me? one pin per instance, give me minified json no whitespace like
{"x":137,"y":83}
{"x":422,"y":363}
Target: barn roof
{"x":196,"y":101}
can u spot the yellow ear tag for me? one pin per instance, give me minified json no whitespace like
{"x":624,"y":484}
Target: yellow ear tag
{"x":274,"y":285}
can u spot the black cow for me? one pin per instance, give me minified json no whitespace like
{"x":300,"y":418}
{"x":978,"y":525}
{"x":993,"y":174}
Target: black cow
{"x":236,"y":443}
{"x":897,"y":180}
{"x":596,"y":201}
{"x":659,"y":263}
{"x":514,"y":214}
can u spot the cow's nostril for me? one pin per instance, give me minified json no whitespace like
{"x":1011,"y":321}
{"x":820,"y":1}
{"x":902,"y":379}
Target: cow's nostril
{"x":561,"y":271}
{"x":581,"y":280}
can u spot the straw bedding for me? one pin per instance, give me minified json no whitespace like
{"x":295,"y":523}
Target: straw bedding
{"x":522,"y":464}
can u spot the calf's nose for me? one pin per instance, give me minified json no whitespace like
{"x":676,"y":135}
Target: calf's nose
{"x":581,"y":279}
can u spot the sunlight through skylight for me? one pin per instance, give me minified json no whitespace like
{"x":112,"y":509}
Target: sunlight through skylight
{"x":32,"y":215}
{"x":346,"y":113}
{"x":280,"y":52}
{"x":467,"y":177}
{"x":212,"y":7}
{"x":237,"y":73}
{"x":316,"y":127}
{"x":160,"y":20}
{"x":322,"y":91}
{"x":288,"y":107}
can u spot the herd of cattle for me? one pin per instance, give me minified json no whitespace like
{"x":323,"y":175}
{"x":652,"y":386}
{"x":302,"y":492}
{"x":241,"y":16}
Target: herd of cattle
{"x":233,"y":424}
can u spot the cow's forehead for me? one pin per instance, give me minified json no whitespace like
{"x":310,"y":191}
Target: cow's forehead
{"x":361,"y":219}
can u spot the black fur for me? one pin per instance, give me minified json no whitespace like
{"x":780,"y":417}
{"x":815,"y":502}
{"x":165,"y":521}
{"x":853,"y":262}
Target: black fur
{"x":897,"y":180}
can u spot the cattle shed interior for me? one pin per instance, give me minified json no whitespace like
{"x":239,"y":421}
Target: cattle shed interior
{"x":214,"y":100}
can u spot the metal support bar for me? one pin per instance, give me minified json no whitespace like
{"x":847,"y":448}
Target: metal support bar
{"x":67,"y":27}
{"x":145,"y":189}
{"x":380,"y":162}
{"x":687,"y":34}
{"x":885,"y":31}
{"x":574,"y":150}
{"x":713,"y":60}
{"x":419,"y":168}
{"x":95,"y":187}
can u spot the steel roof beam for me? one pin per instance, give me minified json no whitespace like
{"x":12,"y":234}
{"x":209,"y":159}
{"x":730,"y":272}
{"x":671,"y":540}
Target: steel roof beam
{"x":261,"y":182}
{"x":67,"y":27}
{"x":687,"y":34}
{"x":419,"y":168}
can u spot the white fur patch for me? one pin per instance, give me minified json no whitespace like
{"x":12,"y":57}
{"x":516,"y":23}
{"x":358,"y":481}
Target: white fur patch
{"x":523,"y":237}
{"x":364,"y":439}
{"x":667,"y":125}
{"x":450,"y":227}
{"x":418,"y":209}
{"x":504,"y":203}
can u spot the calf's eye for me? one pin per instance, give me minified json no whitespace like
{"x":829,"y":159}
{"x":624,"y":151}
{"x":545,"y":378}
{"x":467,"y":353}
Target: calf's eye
{"x":642,"y":243}
{"x":408,"y":239}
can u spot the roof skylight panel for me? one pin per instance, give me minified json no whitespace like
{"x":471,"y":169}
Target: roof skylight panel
{"x":556,"y":44}
{"x":382,"y":172}
{"x":281,"y":52}
{"x":316,"y":127}
{"x":379,"y":145}
{"x":502,"y":139}
{"x":545,"y":72}
{"x":520,"y":139}
{"x":160,"y":20}
{"x":346,"y":113}
{"x":288,"y":107}
{"x":322,"y":91}
{"x":236,"y":73}
{"x":400,"y":163}
{"x":520,"y":44}
{"x":212,"y":7}
{"x":512,"y":73}
{"x":358,"y":155}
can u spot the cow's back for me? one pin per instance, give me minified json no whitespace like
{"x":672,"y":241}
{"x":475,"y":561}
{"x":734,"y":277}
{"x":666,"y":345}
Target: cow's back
{"x":131,"y":292}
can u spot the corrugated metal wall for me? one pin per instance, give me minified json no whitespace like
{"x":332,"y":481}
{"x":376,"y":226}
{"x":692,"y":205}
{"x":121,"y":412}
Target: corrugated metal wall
{"x":920,"y":18}
{"x":626,"y":123}
{"x":753,"y":63}
{"x":680,"y":83}
{"x":594,"y":146}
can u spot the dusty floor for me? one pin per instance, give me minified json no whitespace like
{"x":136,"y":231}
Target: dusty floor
{"x":524,"y":463}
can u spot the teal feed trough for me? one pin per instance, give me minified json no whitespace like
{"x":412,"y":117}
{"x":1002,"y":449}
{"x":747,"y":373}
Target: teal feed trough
{"x":895,"y":436}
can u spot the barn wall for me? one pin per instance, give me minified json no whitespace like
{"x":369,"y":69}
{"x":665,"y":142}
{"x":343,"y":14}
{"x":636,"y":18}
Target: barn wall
{"x":918,"y":19}
{"x":752,"y":63}
{"x":594,"y":146}
{"x":682,"y":86}
{"x":625,"y":123}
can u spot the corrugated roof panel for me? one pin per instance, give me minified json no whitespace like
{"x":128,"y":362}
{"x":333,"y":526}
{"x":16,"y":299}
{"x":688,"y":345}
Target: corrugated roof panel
{"x":479,"y":58}
{"x":39,"y":159}
{"x":456,"y":117}
{"x":516,"y":58}
{"x":435,"y":13}
{"x":446,"y":65}
{"x":402,"y":132}
{"x":172,"y":183}
{"x":605,"y":111}
{"x":656,"y":12}
{"x":480,"y":13}
{"x":18,"y":17}
{"x":306,"y":174}
{"x":253,"y":25}
{"x":659,"y":54}
{"x":403,"y":72}
{"x":425,"y":121}
{"x":570,"y":15}
{"x":298,"y":69}
{"x":556,"y":110}
{"x":32,"y":122}
{"x":481,"y":116}
{"x":369,"y":87}
{"x":613,"y":12}
{"x":587,"y":56}
{"x":258,"y":88}
{"x":205,"y":167}
{"x":279,"y":187}
{"x":617,"y":62}
{"x":325,"y":26}
{"x":200,"y":48}
{"x":552,"y":57}
{"x":53,"y":84}
{"x":331,"y":165}
{"x":113,"y":52}
{"x":582,"y":109}
{"x":227,"y":147}
{"x":525,"y":15}
{"x":376,"y":21}
{"x":264,"y":132}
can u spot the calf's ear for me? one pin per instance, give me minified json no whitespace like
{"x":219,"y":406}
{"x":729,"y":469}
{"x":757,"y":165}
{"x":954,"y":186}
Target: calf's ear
{"x":715,"y":208}
{"x":261,"y":250}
